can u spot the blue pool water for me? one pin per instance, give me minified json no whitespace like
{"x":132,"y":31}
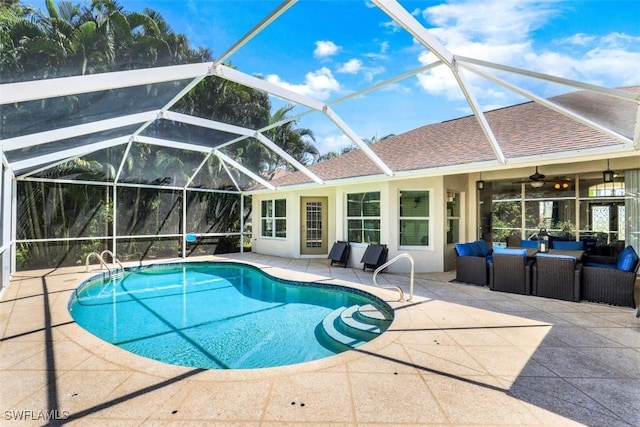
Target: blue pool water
{"x":212,"y":315}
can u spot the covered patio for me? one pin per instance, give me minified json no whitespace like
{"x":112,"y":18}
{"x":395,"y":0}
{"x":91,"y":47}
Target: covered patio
{"x":456,"y":355}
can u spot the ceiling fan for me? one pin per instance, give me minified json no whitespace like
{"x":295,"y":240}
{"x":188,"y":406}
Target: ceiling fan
{"x":537,"y":180}
{"x":536,"y":176}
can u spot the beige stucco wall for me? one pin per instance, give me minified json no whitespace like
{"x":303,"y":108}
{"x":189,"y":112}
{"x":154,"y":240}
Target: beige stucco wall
{"x":426,"y":259}
{"x":439,"y":256}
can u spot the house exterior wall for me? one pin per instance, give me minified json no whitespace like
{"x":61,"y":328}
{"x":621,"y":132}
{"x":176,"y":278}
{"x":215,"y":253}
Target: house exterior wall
{"x":427,"y":259}
{"x":439,"y":255}
{"x":288,"y":247}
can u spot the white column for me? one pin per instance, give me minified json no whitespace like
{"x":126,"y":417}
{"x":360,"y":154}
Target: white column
{"x":7,"y":263}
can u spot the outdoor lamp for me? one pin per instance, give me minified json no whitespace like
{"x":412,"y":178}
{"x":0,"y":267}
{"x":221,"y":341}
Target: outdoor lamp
{"x":480,"y":183}
{"x":543,"y":241}
{"x":607,"y":176}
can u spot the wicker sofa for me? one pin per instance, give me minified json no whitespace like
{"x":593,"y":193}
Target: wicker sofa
{"x":472,"y":262}
{"x":611,"y":280}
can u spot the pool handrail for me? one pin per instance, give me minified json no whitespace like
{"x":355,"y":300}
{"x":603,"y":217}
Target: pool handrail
{"x":114,"y":260}
{"x":388,"y":263}
{"x":98,"y":257}
{"x":102,"y":261}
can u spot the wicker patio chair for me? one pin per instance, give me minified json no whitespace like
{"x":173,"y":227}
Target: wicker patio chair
{"x":472,"y":269}
{"x":510,"y":271}
{"x":557,"y":276}
{"x":472,"y":261}
{"x":607,"y":283}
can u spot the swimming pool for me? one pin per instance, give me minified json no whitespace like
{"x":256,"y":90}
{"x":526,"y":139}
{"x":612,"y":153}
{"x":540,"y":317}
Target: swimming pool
{"x":222,"y":315}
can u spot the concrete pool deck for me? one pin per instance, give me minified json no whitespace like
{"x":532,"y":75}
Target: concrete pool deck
{"x":457,"y":354}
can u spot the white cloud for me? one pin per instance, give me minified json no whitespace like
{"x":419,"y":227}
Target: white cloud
{"x":325,"y":49}
{"x":381,"y":54}
{"x":317,"y":84}
{"x":391,"y":26}
{"x":503,"y":32}
{"x":620,"y":40}
{"x":351,"y":67}
{"x":491,"y":20}
{"x":580,"y":39}
{"x":333,"y":143}
{"x":355,"y":66}
{"x":371,"y":72}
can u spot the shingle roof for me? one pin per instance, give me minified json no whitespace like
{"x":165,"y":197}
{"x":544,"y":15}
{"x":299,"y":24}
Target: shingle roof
{"x":523,"y":130}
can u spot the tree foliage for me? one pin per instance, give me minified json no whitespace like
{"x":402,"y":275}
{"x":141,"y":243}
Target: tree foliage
{"x":71,"y":39}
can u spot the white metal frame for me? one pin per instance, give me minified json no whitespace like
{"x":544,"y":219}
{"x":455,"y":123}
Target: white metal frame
{"x":33,"y":90}
{"x":192,"y":74}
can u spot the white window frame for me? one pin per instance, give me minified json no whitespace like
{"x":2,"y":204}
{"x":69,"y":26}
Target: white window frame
{"x":271,"y":216}
{"x":427,"y":218}
{"x":362,"y":218}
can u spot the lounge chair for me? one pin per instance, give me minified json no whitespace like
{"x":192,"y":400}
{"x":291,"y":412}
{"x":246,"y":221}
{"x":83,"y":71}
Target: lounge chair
{"x":340,"y":253}
{"x":374,"y":256}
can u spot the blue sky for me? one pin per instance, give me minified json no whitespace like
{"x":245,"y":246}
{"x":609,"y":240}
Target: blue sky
{"x":329,"y":49}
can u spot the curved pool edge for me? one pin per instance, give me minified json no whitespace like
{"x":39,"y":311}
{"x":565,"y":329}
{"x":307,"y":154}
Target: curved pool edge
{"x":120,"y":357}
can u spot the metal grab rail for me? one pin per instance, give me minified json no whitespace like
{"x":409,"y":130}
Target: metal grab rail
{"x":388,"y":263}
{"x":100,"y":259}
{"x":102,"y":262}
{"x":114,"y":260}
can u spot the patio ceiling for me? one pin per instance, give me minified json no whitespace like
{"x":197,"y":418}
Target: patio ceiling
{"x":33,"y":143}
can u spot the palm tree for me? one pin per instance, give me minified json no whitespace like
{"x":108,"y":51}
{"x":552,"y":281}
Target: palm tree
{"x":344,"y":150}
{"x":71,"y":39}
{"x":298,"y":142}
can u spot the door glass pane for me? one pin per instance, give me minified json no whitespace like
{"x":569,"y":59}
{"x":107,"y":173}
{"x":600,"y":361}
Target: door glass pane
{"x":453,"y":217}
{"x":453,"y":231}
{"x":314,"y":224}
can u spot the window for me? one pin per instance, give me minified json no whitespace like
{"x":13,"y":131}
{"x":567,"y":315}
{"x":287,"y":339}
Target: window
{"x":273,"y":215}
{"x":603,"y":212}
{"x":414,"y":218}
{"x":363,"y":217}
{"x":453,"y":217}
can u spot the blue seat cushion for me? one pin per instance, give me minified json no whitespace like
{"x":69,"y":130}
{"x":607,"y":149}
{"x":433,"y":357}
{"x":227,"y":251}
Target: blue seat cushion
{"x":566,"y":245}
{"x":627,"y":259}
{"x":512,"y":252}
{"x":482,"y":248}
{"x":466,"y":249}
{"x":528,"y":243}
{"x":601,"y":265}
{"x":477,"y":248}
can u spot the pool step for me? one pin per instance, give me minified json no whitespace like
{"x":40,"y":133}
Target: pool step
{"x":353,"y":326}
{"x":370,"y":314}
